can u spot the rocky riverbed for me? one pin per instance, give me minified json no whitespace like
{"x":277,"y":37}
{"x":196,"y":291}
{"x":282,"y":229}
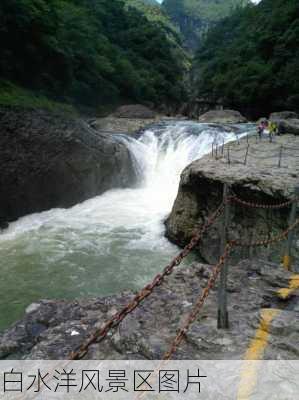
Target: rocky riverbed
{"x":52,"y":329}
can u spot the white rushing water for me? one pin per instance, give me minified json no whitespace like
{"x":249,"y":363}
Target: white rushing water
{"x":111,"y":242}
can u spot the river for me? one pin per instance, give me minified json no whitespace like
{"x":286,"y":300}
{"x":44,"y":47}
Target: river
{"x":109,"y":243}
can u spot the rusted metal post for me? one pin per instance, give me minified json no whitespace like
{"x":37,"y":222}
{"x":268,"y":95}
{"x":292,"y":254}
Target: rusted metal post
{"x":245,"y":159}
{"x":222,"y":290}
{"x":280,"y":156}
{"x":287,"y":258}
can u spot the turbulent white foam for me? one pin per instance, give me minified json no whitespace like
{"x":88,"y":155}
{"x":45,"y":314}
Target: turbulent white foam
{"x":113,"y":241}
{"x":160,"y":158}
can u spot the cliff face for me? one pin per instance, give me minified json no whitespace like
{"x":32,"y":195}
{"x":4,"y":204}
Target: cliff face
{"x":195,"y":17}
{"x":49,"y":161}
{"x":200,"y":193}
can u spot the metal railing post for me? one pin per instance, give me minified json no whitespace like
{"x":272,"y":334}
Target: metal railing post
{"x":228,"y":155}
{"x":280,"y":156}
{"x":245,"y":159}
{"x":222,"y":290}
{"x":287,"y":259}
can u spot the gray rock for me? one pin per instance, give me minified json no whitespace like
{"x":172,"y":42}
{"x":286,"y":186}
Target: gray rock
{"x":147,"y":332}
{"x":134,"y":111}
{"x":260,"y":181}
{"x":284,"y":336}
{"x":114,"y":125}
{"x":290,"y":126}
{"x":283,"y":115}
{"x":48,"y":161}
{"x":222,"y":116}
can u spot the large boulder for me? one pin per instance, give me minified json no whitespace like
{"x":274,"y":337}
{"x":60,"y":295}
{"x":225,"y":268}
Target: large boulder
{"x":222,"y":117}
{"x":287,"y":121}
{"x":134,"y":111}
{"x":200,"y":193}
{"x":290,"y":126}
{"x":48,"y":161}
{"x":283,"y":115}
{"x":120,"y":125}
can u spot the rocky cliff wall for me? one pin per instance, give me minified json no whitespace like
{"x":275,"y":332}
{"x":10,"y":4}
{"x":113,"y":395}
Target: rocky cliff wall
{"x":48,"y":161}
{"x":200,"y":193}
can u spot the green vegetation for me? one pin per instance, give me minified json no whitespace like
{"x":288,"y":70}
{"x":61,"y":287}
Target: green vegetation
{"x":13,"y":95}
{"x":195,"y":17}
{"x":88,"y":52}
{"x":159,"y":18}
{"x":204,"y":9}
{"x":251,"y":60}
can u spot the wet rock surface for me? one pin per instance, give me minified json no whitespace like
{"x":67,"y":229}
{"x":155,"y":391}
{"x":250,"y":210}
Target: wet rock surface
{"x":288,"y":125}
{"x":287,"y":121}
{"x":222,"y":117}
{"x":117,"y":125}
{"x":49,"y":160}
{"x":260,"y":181}
{"x":52,"y":329}
{"x":284,"y":115}
{"x":135,"y":111}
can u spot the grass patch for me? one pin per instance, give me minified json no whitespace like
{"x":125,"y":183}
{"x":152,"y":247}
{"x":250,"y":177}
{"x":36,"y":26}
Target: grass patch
{"x":16,"y":96}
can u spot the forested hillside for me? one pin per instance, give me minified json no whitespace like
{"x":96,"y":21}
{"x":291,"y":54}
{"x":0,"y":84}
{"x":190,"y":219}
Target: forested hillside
{"x":89,"y":52}
{"x":159,"y":17}
{"x":251,"y":60}
{"x":195,"y":17}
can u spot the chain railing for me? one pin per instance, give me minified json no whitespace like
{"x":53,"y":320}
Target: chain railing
{"x":285,"y":204}
{"x":251,"y":152}
{"x":199,"y":303}
{"x":118,"y":317}
{"x":267,"y":241}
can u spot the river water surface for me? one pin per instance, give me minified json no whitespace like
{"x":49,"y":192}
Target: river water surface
{"x":109,"y":243}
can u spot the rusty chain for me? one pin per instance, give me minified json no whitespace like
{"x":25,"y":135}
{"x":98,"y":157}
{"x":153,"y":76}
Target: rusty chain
{"x":115,"y":320}
{"x":118,"y":317}
{"x":199,"y":302}
{"x":212,"y":280}
{"x":236,"y":199}
{"x":193,"y":314}
{"x":265,"y":242}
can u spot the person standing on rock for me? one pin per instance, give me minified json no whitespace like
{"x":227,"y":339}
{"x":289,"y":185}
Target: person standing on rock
{"x":271,"y":130}
{"x":260,"y":129}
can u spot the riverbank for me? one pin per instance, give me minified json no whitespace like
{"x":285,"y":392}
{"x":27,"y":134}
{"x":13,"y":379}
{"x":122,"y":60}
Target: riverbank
{"x":53,"y":329}
{"x":116,"y":241}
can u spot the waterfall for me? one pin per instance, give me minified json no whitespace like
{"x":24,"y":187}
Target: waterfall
{"x":109,"y":243}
